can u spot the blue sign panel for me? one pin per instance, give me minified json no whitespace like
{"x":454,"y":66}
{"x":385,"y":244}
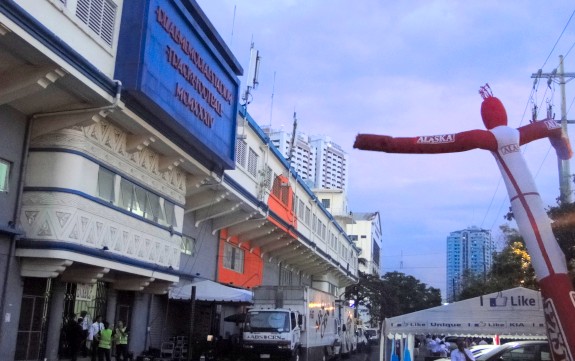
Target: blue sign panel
{"x":169,"y":66}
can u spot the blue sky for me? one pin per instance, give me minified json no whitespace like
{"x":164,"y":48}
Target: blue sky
{"x":407,"y":68}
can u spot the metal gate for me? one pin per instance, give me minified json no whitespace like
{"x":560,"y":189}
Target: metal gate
{"x":32,"y":327}
{"x":81,"y":300}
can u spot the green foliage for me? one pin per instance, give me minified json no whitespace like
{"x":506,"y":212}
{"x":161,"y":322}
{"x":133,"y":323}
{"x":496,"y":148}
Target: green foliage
{"x":511,"y":268}
{"x":563,"y":226}
{"x":392,"y":295}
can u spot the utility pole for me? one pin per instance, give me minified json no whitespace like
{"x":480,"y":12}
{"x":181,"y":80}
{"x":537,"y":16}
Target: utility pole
{"x":563,"y":165}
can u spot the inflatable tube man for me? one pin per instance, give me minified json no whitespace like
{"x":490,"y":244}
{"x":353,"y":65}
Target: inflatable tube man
{"x":534,"y":225}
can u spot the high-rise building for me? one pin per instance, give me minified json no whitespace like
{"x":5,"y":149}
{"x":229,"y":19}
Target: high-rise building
{"x":469,"y":249}
{"x":331,"y":163}
{"x":317,"y":159}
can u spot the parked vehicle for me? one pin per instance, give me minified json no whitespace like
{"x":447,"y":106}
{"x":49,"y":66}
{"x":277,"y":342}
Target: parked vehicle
{"x":347,"y":337}
{"x":476,"y":350}
{"x":352,"y":337}
{"x":372,"y":336}
{"x":292,"y":322}
{"x":361,"y":339}
{"x":518,"y":350}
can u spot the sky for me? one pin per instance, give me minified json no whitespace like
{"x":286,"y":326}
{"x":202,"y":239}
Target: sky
{"x":408,"y":68}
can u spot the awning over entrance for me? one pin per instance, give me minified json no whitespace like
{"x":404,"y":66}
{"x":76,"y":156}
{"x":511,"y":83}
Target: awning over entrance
{"x":207,"y":290}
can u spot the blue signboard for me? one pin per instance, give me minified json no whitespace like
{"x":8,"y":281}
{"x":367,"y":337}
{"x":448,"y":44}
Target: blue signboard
{"x":170,"y":66}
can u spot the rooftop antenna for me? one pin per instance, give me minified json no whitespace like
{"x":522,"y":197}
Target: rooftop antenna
{"x":233,"y":25}
{"x":252,"y":83}
{"x":292,"y":143}
{"x":252,"y":77}
{"x":272,"y":102}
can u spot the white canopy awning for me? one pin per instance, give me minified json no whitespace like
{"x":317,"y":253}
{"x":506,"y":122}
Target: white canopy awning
{"x":207,"y":290}
{"x":514,"y":313}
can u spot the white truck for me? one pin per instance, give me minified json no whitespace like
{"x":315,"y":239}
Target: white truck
{"x":352,"y":332}
{"x":291,"y":322}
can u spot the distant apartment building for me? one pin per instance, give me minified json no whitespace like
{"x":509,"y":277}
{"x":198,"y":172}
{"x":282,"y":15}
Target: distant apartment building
{"x":317,"y":159}
{"x":469,"y":249}
{"x":365,"y":231}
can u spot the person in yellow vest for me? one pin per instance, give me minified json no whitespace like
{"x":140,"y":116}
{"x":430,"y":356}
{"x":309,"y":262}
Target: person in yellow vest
{"x":121,"y":338}
{"x":105,"y":342}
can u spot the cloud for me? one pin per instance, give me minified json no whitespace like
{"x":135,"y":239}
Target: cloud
{"x":406,"y":68}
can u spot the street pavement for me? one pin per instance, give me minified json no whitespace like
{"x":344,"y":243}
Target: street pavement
{"x":371,"y":355}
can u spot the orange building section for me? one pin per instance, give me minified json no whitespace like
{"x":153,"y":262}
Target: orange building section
{"x":252,"y":270}
{"x":280,"y":202}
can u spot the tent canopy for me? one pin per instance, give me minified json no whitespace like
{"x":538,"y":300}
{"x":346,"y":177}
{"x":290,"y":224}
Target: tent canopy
{"x":513,"y":313}
{"x":211,"y":291}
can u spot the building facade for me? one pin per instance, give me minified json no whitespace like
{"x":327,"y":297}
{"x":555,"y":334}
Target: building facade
{"x":123,"y":181}
{"x":365,"y":231}
{"x":317,"y":159}
{"x":331,"y":169}
{"x":469,"y":249}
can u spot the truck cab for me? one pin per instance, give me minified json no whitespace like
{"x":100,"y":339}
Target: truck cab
{"x":272,"y":333}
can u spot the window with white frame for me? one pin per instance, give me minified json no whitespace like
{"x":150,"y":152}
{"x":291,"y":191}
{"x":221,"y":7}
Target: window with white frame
{"x":241,"y":147}
{"x":4,"y":175}
{"x":136,"y":199}
{"x":314,"y":224}
{"x":106,"y":184}
{"x":269,"y":175}
{"x":252,"y":162}
{"x":189,"y":245}
{"x":233,"y":258}
{"x":99,"y":16}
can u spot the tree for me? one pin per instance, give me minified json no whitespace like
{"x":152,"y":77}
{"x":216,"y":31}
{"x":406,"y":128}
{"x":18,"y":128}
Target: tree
{"x":563,"y":226}
{"x":510,"y":268}
{"x":392,"y":295}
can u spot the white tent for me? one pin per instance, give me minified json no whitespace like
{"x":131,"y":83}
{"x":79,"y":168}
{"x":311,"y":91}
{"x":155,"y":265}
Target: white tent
{"x":514,"y":313}
{"x":207,"y":290}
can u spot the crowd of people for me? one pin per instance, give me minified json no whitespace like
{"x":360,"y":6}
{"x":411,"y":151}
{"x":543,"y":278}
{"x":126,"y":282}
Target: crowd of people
{"x":96,"y":338}
{"x":438,"y":346}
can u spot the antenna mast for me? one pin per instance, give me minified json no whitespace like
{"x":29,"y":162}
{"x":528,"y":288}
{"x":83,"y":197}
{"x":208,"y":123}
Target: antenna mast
{"x":252,"y":78}
{"x":272,"y":100}
{"x":292,"y":145}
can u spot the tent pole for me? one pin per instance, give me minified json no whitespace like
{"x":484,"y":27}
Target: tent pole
{"x":382,"y":343}
{"x":192,"y":316}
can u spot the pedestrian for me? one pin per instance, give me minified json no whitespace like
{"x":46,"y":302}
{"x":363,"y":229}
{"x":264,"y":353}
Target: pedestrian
{"x":105,"y":342}
{"x":461,"y":353}
{"x":121,"y":338}
{"x":95,"y":329}
{"x":75,"y":337}
{"x":86,"y":323}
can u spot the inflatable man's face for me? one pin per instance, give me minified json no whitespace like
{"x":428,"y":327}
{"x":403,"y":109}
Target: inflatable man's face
{"x":493,"y":112}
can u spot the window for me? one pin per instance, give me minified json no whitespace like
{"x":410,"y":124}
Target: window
{"x":326,"y":202}
{"x":189,"y":245}
{"x":241,"y":152}
{"x":100,"y":16}
{"x":233,"y":258}
{"x":252,"y":162}
{"x":4,"y":175}
{"x":146,"y":204}
{"x":106,"y":185}
{"x":170,"y":213}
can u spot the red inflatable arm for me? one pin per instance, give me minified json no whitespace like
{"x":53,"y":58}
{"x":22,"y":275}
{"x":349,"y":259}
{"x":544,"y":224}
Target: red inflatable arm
{"x":428,"y":144}
{"x":550,"y":129}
